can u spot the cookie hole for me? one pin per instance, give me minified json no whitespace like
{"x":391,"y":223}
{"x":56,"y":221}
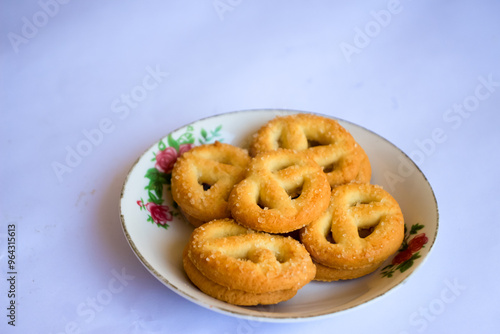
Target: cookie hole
{"x":361,"y":202}
{"x":294,"y":193}
{"x":313,"y":143}
{"x":330,"y":167}
{"x":262,"y":205}
{"x":280,"y":257}
{"x":364,"y":232}
{"x":205,"y":183}
{"x":279,"y":143}
{"x":261,"y":255}
{"x":330,"y":239}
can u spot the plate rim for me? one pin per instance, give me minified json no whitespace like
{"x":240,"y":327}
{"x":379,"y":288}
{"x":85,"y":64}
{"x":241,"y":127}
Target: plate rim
{"x":269,"y":317}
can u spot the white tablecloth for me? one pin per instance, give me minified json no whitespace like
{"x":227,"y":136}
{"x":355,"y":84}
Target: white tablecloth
{"x":122,"y":74}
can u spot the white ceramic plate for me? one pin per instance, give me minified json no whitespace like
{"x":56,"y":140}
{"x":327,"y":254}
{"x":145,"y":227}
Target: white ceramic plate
{"x":146,"y":207}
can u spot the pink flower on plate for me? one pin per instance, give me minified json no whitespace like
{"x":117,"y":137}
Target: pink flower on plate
{"x":166,"y":159}
{"x":417,"y":242}
{"x":159,"y":213}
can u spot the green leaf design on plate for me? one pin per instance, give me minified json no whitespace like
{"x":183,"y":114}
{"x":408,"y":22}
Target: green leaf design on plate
{"x":415,"y":228}
{"x":161,"y":146}
{"x":172,"y":142}
{"x":208,"y":137}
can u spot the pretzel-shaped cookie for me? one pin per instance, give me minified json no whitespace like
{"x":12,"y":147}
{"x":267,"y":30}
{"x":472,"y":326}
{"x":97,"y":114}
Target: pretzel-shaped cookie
{"x":283,"y":191}
{"x":232,"y":296}
{"x":362,"y":227}
{"x":204,"y":176}
{"x":324,"y":139}
{"x":242,"y":259}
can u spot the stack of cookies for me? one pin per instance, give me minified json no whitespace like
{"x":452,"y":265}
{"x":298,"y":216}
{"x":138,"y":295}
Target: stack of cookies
{"x":303,"y":175}
{"x":240,"y":266}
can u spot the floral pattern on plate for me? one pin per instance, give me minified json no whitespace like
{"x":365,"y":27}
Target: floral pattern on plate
{"x":160,"y":175}
{"x":408,"y":252}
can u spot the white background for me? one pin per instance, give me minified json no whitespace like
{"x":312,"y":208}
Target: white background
{"x":402,"y":69}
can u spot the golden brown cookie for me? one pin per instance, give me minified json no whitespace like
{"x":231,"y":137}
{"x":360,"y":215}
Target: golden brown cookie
{"x":239,"y":258}
{"x":362,"y":227}
{"x":324,"y":139}
{"x":282,"y":191}
{"x":204,"y":176}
